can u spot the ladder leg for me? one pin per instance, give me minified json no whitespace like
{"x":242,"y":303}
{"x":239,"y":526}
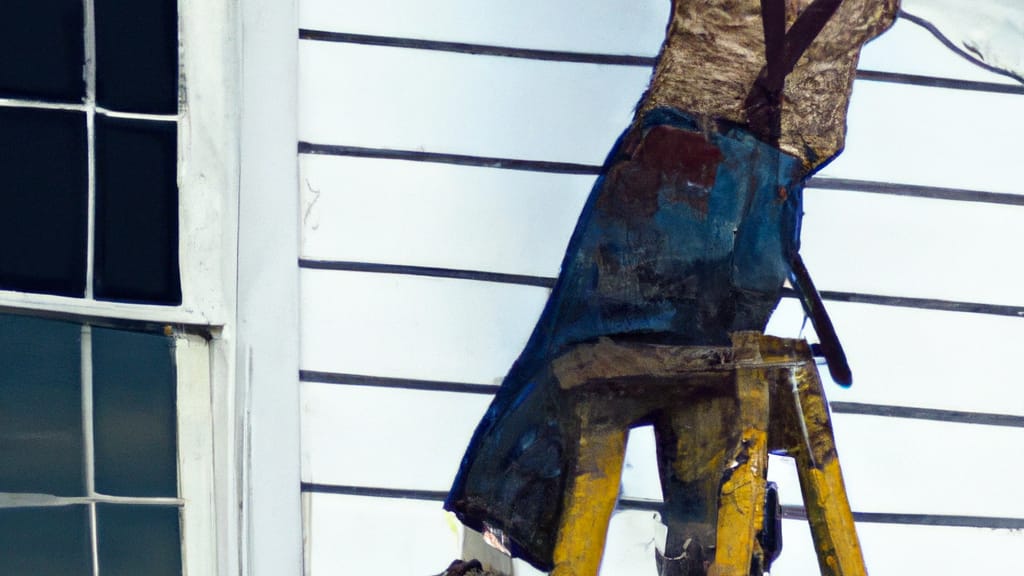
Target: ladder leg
{"x":741,"y":500}
{"x":590,"y":495}
{"x":821,"y":479}
{"x":691,"y":456}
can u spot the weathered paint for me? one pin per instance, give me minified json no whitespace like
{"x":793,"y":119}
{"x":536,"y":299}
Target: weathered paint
{"x":821,"y":482}
{"x":656,"y":256}
{"x":593,"y":490}
{"x":741,"y":501}
{"x":687,"y":237}
{"x":715,"y":78}
{"x":716,"y":412}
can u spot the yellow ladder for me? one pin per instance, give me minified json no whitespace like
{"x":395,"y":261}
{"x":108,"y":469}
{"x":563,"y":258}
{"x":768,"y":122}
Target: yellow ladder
{"x":717,"y":413}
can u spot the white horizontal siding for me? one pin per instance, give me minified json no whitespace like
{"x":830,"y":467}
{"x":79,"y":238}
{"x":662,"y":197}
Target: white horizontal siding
{"x":397,"y":439}
{"x":438,"y":215}
{"x":367,"y":534}
{"x":514,"y":222}
{"x":922,"y":358}
{"x":403,"y":326}
{"x":878,"y":244}
{"x":513,"y":108}
{"x":465,"y":104}
{"x":414,"y":327}
{"x":933,"y":137}
{"x":609,"y":26}
{"x":414,"y":440}
{"x":897,"y":550}
{"x":361,"y":535}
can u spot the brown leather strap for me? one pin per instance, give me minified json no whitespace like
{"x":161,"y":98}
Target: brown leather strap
{"x":773,"y":20}
{"x":783,"y":50}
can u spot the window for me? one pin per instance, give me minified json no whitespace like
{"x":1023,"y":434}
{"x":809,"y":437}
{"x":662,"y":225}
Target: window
{"x":88,"y":149}
{"x":90,"y":445}
{"x":111,"y":285}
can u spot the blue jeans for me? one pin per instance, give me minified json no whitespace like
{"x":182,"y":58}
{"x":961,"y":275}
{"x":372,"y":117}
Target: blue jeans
{"x":686,"y":237}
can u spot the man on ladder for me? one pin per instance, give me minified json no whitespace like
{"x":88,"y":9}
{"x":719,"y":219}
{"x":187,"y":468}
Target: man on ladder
{"x":675,"y":265}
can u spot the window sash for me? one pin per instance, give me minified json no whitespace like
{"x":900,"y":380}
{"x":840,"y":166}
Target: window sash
{"x":207,"y":179}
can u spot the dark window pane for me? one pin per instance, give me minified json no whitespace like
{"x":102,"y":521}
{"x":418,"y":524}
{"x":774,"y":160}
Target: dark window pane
{"x":137,"y":540}
{"x":137,"y":55}
{"x":134,"y":386}
{"x":136,"y":211}
{"x":43,"y":49}
{"x":45,"y":541}
{"x":40,"y":407}
{"x":43,"y":201}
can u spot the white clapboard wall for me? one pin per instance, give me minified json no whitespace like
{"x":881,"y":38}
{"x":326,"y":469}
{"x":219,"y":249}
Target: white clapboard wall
{"x":446,"y":149}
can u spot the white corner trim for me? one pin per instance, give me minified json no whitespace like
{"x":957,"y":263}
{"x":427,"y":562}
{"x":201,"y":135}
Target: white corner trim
{"x":267,"y":297}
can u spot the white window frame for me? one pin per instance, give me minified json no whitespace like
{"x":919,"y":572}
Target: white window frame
{"x":204,"y":136}
{"x":208,"y":181}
